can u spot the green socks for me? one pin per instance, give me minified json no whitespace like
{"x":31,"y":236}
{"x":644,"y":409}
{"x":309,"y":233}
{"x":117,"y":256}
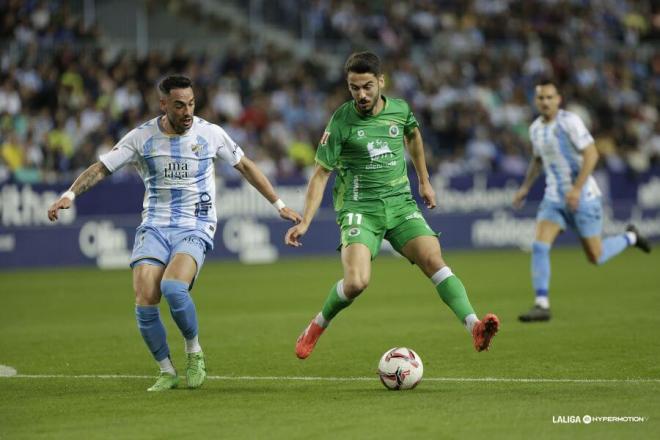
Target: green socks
{"x":451,"y":290}
{"x":334,"y":303}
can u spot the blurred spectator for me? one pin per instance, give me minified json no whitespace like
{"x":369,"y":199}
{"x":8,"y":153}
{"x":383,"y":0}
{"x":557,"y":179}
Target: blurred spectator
{"x":467,"y":68}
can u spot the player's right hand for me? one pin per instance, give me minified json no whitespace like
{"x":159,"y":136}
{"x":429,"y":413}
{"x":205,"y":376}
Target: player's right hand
{"x":519,"y":198}
{"x":293,"y":235}
{"x":61,"y":203}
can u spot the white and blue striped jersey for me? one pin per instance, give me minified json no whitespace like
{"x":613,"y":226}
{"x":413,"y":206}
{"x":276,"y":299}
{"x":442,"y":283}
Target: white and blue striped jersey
{"x":559,"y":143}
{"x":178,"y":172}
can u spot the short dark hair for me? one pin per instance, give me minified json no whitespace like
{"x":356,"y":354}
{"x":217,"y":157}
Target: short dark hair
{"x":547,"y":81}
{"x":167,"y":84}
{"x":363,"y":62}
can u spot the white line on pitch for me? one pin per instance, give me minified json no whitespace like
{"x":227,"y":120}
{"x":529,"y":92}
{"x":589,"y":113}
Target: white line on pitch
{"x":344,"y":379}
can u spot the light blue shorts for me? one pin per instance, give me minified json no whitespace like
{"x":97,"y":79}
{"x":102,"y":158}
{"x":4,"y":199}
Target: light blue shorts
{"x":157,"y":246}
{"x":587,"y":220}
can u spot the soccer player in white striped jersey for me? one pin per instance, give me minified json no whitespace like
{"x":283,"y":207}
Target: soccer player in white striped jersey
{"x":565,"y":150}
{"x":174,"y":154}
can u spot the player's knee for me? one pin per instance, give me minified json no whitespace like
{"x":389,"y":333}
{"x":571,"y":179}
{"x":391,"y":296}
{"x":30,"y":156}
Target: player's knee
{"x":431,"y":263}
{"x":146,"y":294}
{"x":355,"y":285}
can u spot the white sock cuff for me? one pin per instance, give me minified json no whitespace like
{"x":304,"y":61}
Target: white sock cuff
{"x":542,"y":301}
{"x":192,"y":345}
{"x":470,"y":321}
{"x":321,"y":321}
{"x":340,"y":291}
{"x":632,"y":238}
{"x":166,"y":366}
{"x":441,"y":275}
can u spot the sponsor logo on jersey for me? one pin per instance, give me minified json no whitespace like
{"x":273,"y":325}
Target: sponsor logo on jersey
{"x":202,"y":207}
{"x":414,"y":215}
{"x":394,"y":130}
{"x":378,"y":148}
{"x":325,"y":137}
{"x":176,"y":170}
{"x":360,"y":133}
{"x":354,"y":232}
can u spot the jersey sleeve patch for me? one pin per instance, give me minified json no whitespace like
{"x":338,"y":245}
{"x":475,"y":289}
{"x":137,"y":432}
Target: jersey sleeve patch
{"x":324,"y":138}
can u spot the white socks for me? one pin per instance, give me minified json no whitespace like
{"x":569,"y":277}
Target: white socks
{"x":542,"y":301}
{"x":441,"y":275}
{"x":470,"y":321}
{"x":192,"y":345}
{"x":632,"y":238}
{"x":166,"y":366}
{"x":321,"y":321}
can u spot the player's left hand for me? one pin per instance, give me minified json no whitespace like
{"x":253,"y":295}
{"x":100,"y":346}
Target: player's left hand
{"x":61,"y":203}
{"x":428,"y":194}
{"x":573,"y":198}
{"x":289,"y":214}
{"x":293,"y":235}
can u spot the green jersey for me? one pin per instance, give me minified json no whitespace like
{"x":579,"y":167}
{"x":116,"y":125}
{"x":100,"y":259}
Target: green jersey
{"x":367,"y":152}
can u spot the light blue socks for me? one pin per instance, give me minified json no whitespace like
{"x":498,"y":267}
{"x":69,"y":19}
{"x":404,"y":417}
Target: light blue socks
{"x":541,"y":269}
{"x":612,"y":246}
{"x":152,"y":330}
{"x":182,"y":307}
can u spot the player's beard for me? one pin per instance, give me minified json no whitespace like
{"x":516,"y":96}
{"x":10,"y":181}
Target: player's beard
{"x":370,"y":110}
{"x":178,"y":128}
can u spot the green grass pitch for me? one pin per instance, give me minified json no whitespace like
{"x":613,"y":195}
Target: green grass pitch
{"x":79,"y":322}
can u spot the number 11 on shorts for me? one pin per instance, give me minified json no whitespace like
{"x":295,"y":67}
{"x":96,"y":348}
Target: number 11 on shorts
{"x":358,"y":218}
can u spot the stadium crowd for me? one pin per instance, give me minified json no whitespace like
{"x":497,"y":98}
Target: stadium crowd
{"x":468,"y":69}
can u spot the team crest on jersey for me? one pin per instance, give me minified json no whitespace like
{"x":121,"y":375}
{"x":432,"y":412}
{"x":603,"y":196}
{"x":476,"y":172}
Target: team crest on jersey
{"x":325,"y":137}
{"x":360,"y":133}
{"x":394,"y":130}
{"x":353,"y":232}
{"x":197,"y":149}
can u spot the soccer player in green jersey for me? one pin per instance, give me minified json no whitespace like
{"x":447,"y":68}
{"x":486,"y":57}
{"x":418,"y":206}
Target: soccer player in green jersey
{"x":364,"y":143}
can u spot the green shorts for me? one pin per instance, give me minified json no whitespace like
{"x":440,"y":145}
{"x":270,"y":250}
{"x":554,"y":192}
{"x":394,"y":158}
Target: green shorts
{"x":396,"y":219}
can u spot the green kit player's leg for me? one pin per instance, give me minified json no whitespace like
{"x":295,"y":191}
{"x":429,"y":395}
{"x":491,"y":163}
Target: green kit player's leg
{"x":334,"y":303}
{"x":453,"y":293}
{"x":451,"y":290}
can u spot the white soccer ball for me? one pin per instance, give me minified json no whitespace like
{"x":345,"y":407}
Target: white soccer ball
{"x":400,"y":369}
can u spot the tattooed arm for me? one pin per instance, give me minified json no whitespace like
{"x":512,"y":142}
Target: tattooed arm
{"x":90,"y":177}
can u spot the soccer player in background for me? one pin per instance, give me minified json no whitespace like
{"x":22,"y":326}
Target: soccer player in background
{"x":174,"y":154}
{"x":364,"y":143}
{"x":564,"y":148}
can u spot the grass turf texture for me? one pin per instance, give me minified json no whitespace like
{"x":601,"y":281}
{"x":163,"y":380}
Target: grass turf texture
{"x":80,"y":322}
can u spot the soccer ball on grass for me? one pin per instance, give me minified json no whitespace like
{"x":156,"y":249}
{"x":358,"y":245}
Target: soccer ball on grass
{"x":400,"y":369}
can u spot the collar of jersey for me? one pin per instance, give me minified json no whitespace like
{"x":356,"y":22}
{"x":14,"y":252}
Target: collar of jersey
{"x":556,"y":118}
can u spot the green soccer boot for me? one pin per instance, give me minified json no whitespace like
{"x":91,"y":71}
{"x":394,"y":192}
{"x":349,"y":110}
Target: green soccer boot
{"x":166,"y":381}
{"x":196,"y":370}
